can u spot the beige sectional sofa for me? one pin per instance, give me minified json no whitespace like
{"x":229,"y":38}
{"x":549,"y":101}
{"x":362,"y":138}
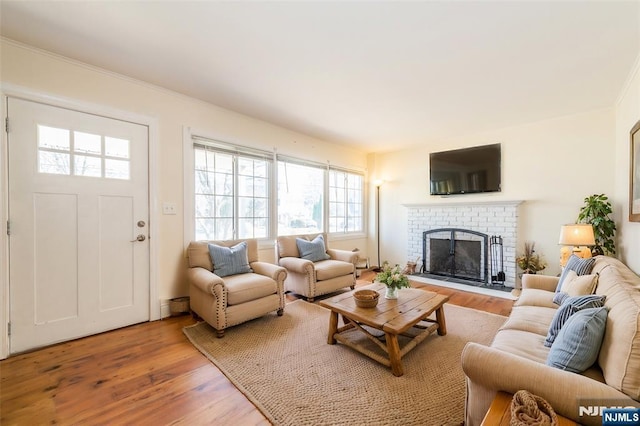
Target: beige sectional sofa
{"x":516,"y":358}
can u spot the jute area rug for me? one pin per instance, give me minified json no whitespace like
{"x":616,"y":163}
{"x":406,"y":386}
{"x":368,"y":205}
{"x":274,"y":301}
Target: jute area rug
{"x":286,"y":368}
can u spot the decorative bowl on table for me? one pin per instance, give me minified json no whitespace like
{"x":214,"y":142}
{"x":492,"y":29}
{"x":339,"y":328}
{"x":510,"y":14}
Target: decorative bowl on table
{"x":366,"y":298}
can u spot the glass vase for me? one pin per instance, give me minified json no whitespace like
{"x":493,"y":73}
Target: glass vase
{"x":391,"y":293}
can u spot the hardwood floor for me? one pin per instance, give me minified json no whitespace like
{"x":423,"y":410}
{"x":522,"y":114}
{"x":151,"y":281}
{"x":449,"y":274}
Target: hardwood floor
{"x":143,"y":374}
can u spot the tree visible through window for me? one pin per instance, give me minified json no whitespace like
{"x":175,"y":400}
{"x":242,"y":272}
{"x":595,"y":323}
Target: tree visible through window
{"x":231,"y":195}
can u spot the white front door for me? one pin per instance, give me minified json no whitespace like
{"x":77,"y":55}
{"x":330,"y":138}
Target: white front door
{"x":78,"y":223}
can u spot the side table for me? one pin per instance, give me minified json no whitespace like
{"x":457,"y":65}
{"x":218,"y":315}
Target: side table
{"x":499,"y":413}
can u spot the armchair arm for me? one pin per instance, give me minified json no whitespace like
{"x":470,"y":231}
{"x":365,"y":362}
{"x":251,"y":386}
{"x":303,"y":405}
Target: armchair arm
{"x":275,"y":272}
{"x":502,"y":371}
{"x":295,"y":264}
{"x":541,"y":282}
{"x":204,"y":280}
{"x":344,"y":255}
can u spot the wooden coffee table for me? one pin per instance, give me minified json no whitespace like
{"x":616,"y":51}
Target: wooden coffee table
{"x":405,"y":316}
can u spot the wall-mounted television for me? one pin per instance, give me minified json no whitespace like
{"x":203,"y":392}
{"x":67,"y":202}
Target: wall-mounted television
{"x":466,"y":171}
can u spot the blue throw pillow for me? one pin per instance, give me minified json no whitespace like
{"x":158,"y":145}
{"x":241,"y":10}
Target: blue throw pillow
{"x":229,"y":260}
{"x":312,"y":250}
{"x":560,"y":297}
{"x":578,"y":344}
{"x":570,"y":306}
{"x":579,"y":265}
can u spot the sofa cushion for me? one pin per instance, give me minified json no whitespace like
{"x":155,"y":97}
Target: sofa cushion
{"x":247,"y":287}
{"x":327,"y":269}
{"x":521,"y":343}
{"x":579,"y":285}
{"x":578,"y":343}
{"x":535,"y":297}
{"x":534,"y":319}
{"x":314,"y":250}
{"x":578,"y":265}
{"x":229,"y":260}
{"x":570,"y":306}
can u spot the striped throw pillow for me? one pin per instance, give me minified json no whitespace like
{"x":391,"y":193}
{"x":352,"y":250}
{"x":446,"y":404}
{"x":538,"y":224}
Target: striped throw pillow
{"x":578,"y":265}
{"x":229,"y":260}
{"x":570,"y":306}
{"x":578,"y":343}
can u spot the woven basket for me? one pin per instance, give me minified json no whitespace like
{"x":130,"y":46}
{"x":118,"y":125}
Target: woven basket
{"x":179,"y":306}
{"x":366,"y":298}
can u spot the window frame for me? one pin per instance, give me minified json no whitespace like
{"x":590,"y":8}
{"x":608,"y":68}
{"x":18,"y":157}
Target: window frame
{"x":237,"y":154}
{"x":189,"y":136}
{"x":345,"y":201}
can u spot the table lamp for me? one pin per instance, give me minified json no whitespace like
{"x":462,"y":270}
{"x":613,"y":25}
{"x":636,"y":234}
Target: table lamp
{"x":575,"y":239}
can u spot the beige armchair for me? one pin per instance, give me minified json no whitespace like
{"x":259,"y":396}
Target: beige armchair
{"x":311,"y":278}
{"x":233,"y":299}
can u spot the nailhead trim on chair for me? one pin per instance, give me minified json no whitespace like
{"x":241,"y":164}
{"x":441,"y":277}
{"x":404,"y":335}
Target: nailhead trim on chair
{"x":311,"y":271}
{"x":219,"y":292}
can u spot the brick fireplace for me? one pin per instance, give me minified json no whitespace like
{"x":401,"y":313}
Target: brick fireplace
{"x":495,"y":218}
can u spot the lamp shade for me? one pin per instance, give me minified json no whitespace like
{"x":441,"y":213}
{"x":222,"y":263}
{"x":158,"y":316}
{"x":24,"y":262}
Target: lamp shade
{"x":577,"y":234}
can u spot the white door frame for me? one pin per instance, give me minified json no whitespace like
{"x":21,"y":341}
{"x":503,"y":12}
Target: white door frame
{"x":9,"y":90}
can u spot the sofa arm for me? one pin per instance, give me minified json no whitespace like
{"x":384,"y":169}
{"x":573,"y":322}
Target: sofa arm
{"x":541,"y":282}
{"x":344,"y":255}
{"x":275,"y":272}
{"x":501,"y":371}
{"x":296,"y":264}
{"x":204,"y":280}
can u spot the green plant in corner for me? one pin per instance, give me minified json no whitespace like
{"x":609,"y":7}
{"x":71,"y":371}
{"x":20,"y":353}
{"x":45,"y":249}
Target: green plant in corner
{"x":596,"y":211}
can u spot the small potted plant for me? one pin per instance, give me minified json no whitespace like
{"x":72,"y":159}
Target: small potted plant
{"x":529,"y":261}
{"x":393,"y":278}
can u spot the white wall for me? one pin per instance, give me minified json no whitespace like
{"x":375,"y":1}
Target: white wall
{"x":627,"y":114}
{"x":551,"y":165}
{"x":58,"y":77}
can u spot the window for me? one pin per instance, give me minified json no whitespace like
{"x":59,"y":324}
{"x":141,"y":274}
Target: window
{"x":346,"y":198}
{"x":67,"y":152}
{"x":300,"y":198}
{"x":231,"y":194}
{"x":242,"y":192}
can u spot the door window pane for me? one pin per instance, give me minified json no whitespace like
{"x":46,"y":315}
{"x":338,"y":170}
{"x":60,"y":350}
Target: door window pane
{"x":53,"y":138}
{"x":116,"y":169}
{"x":83,"y":155}
{"x":54,"y":162}
{"x":87,"y":143}
{"x":87,"y":166}
{"x":114,"y":147}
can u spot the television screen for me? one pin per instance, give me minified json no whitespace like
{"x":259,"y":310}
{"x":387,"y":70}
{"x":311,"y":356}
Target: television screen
{"x":465,"y":171}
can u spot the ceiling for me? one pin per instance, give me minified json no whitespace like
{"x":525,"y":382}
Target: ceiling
{"x":375,"y":75}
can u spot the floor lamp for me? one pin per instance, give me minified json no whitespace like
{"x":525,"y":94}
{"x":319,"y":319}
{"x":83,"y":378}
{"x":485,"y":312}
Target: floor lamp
{"x":378,"y":184}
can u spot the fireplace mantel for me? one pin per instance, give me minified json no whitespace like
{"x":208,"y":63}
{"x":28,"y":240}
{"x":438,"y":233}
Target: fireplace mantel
{"x":465,"y":203}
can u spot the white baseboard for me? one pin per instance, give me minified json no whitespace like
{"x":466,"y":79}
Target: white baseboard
{"x":165,"y":310}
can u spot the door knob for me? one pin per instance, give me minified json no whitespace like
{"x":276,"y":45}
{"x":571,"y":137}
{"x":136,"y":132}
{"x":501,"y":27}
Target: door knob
{"x":141,"y":224}
{"x":140,"y":237}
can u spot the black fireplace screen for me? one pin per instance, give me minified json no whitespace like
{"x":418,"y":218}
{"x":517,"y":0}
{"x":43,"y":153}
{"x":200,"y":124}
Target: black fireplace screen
{"x":457,"y":253}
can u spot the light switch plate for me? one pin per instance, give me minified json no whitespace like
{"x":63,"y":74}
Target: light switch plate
{"x":169,"y":208}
